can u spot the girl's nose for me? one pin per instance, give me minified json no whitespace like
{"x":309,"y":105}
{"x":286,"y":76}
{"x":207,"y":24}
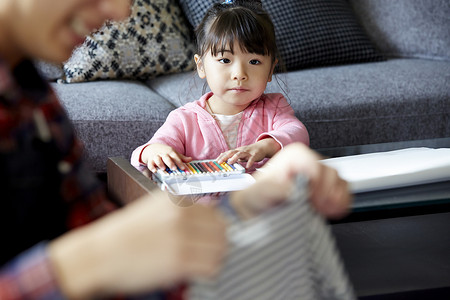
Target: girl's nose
{"x":239,"y":73}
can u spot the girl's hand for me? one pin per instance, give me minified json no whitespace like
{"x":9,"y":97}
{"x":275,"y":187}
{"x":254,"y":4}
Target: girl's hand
{"x":160,"y":156}
{"x":329,"y":193}
{"x":251,"y":153}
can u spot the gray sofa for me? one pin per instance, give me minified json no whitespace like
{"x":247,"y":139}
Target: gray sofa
{"x":406,"y":97}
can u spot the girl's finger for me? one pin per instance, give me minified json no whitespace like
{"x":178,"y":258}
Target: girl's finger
{"x":159,"y":162}
{"x":234,"y":158}
{"x":225,"y":156}
{"x":242,"y":156}
{"x":151,"y":166}
{"x":185,"y":158}
{"x":250,"y":161}
{"x":169,"y":162}
{"x":178,"y":161}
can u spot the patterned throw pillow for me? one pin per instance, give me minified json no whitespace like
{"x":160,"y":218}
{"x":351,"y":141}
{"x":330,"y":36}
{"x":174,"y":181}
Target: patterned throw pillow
{"x":310,"y":33}
{"x":154,"y":40}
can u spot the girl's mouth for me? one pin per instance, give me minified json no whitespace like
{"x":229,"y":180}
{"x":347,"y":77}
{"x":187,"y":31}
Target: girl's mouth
{"x":239,"y":89}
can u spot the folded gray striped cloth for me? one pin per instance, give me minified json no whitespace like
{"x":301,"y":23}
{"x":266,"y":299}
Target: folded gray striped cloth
{"x":286,"y":253}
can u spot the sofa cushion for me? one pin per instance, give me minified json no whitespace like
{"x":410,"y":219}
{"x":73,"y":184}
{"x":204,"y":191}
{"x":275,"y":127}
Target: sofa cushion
{"x":49,"y":71}
{"x":154,"y":40}
{"x":310,"y":33}
{"x":399,"y":99}
{"x":112,"y":118}
{"x":407,"y":28}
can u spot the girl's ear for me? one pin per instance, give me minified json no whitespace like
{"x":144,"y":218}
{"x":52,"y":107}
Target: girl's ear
{"x":200,"y":68}
{"x":271,"y":71}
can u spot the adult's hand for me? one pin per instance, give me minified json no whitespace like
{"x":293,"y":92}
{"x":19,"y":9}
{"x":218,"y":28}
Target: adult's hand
{"x":149,"y":244}
{"x":329,"y":193}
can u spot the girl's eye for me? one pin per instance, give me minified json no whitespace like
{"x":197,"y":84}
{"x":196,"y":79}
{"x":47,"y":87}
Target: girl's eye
{"x":255,"y":62}
{"x":224,"y":60}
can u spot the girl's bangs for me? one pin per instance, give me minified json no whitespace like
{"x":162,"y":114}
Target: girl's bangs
{"x":251,"y":36}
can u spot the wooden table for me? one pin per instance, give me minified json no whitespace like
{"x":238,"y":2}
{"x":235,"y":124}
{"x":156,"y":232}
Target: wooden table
{"x":126,"y":183}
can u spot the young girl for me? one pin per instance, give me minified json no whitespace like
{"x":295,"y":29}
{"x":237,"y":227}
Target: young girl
{"x":236,"y":121}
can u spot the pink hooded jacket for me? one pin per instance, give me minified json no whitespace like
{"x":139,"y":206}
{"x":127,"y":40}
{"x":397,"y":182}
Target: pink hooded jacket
{"x":192,"y":131}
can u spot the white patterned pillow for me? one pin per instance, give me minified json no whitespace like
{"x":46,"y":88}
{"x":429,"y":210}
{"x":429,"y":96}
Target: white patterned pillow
{"x":154,"y":40}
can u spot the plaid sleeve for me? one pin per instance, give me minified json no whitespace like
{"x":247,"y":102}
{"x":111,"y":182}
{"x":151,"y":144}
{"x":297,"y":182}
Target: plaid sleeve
{"x":29,"y":276}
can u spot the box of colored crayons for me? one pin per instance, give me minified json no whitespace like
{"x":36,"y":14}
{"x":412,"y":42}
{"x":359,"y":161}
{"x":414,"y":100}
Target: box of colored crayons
{"x":203,"y":177}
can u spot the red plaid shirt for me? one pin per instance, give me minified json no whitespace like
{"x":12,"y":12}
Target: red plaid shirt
{"x":43,"y":177}
{"x":29,"y":276}
{"x":37,"y":142}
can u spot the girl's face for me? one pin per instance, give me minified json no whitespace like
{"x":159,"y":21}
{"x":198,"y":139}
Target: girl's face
{"x":50,"y":29}
{"x":236,"y":79}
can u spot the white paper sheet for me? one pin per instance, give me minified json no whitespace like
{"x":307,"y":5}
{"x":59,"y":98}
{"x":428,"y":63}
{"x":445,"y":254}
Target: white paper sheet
{"x":383,"y":170}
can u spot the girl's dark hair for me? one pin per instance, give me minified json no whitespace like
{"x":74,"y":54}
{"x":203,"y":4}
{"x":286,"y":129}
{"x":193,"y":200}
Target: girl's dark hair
{"x":243,"y":21}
